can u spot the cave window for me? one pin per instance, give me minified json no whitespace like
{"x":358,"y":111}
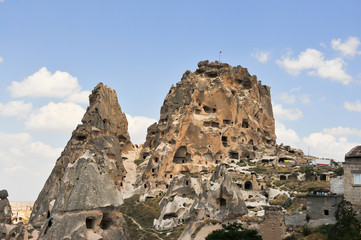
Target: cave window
{"x":181,"y":155}
{"x":283,"y":177}
{"x":248,"y":185}
{"x":145,"y":185}
{"x":122,"y":139}
{"x":223,"y":202}
{"x":323,"y":177}
{"x":153,"y":170}
{"x":245,"y":123}
{"x":207,"y":109}
{"x":225,"y":121}
{"x":156,"y":159}
{"x":250,"y":142}
{"x":233,"y":155}
{"x":90,"y":222}
{"x":186,"y":182}
{"x":207,"y":124}
{"x":167,"y":186}
{"x":171,"y":176}
{"x":215,"y":124}
{"x":325,"y":212}
{"x":81,"y":138}
{"x":106,"y":222}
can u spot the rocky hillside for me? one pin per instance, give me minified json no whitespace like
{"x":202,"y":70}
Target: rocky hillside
{"x":211,"y":159}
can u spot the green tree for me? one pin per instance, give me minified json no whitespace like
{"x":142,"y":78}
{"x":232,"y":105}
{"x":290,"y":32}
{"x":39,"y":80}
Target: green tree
{"x":234,"y":231}
{"x":347,"y":226}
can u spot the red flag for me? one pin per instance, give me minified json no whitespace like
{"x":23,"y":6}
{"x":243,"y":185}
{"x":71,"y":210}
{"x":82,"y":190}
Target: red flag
{"x":220,"y":52}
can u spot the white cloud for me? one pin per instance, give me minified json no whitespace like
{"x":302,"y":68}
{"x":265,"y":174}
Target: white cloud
{"x":326,"y":145}
{"x":287,"y":98}
{"x":25,"y":165}
{"x":342,"y":131}
{"x":1,"y":59}
{"x":45,"y":84}
{"x":286,"y":113}
{"x":295,"y":89}
{"x":315,"y":63}
{"x":348,"y":48}
{"x":261,"y":56}
{"x":137,"y":127}
{"x":305,"y":99}
{"x":81,"y":97}
{"x":286,"y":136}
{"x":58,"y":117}
{"x":353,"y":107}
{"x":330,"y":143}
{"x":15,"y":109}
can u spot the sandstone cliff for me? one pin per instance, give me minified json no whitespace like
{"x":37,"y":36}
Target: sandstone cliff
{"x":217,"y":114}
{"x":82,"y":194}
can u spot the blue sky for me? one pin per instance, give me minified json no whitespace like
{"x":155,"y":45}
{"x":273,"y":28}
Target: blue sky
{"x":53,"y":53}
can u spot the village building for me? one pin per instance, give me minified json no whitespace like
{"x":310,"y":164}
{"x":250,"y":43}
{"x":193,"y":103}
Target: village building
{"x":352,"y":178}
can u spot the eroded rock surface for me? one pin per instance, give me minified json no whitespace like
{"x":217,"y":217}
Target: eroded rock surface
{"x":5,"y":207}
{"x":217,"y":198}
{"x":83,"y":192}
{"x":216,"y":114}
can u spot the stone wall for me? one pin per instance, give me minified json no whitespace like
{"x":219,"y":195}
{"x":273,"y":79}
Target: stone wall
{"x":352,"y":191}
{"x":322,"y":208}
{"x":296,"y":219}
{"x":337,"y":185}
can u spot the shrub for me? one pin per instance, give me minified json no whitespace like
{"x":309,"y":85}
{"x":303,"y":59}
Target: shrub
{"x":231,"y":231}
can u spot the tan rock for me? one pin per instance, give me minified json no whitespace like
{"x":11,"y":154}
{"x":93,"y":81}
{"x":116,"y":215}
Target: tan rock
{"x":216,"y":114}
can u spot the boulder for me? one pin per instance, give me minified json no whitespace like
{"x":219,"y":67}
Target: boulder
{"x":3,"y":194}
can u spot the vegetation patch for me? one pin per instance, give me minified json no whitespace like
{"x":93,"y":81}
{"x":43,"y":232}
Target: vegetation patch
{"x":138,"y":161}
{"x":143,"y":213}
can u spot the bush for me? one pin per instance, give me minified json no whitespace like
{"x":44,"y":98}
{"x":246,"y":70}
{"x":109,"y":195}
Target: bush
{"x":231,"y":231}
{"x":306,"y":231}
{"x":338,"y":171}
{"x":287,"y":203}
{"x":347,"y":226}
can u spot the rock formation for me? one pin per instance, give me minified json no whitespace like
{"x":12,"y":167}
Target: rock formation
{"x":216,"y":114}
{"x":5,"y":208}
{"x":81,"y":198}
{"x":217,"y":198}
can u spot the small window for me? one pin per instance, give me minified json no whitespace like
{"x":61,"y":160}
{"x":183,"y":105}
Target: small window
{"x":357,"y":178}
{"x":325,"y":212}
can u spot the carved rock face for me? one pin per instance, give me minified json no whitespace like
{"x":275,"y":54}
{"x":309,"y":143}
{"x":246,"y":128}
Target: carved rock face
{"x":216,"y":114}
{"x":197,"y":198}
{"x":89,"y":174}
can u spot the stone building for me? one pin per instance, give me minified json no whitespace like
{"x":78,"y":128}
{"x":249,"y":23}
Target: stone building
{"x":352,"y":177}
{"x":321,"y":209}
